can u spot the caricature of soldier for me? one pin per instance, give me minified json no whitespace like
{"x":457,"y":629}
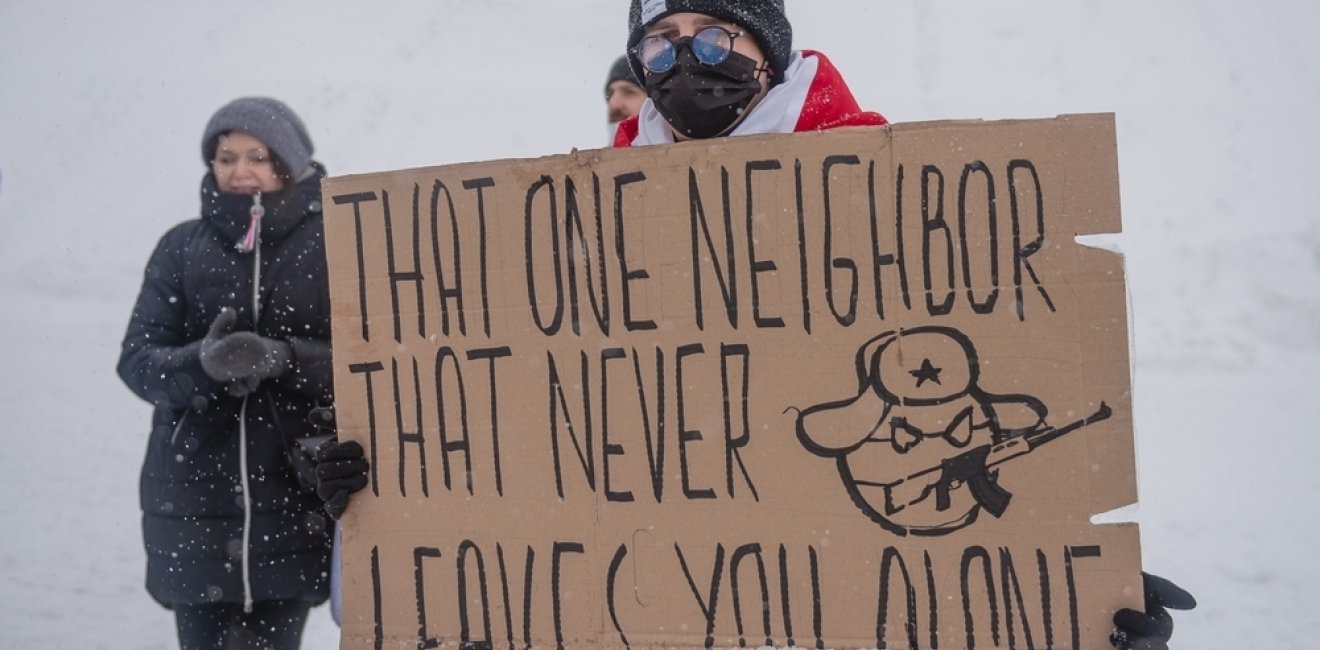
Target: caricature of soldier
{"x":918,"y":413}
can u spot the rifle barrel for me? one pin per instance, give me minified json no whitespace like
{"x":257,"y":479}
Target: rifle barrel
{"x":1025,"y":444}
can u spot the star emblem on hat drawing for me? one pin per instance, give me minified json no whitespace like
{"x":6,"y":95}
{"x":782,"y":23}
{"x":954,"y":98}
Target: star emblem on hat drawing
{"x":927,"y":371}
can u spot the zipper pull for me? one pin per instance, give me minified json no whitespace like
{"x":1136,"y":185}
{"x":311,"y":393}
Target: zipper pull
{"x":256,"y":212}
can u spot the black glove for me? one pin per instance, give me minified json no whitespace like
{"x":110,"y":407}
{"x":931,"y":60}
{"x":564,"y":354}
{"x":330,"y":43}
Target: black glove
{"x":242,"y":359}
{"x":1151,"y":629}
{"x":341,"y":470}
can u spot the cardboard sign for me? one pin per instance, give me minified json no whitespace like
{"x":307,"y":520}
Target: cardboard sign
{"x":841,"y":390}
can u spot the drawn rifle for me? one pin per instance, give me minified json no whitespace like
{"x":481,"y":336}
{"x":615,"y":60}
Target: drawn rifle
{"x":972,"y":467}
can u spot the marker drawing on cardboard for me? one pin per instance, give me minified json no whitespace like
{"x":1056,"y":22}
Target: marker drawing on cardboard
{"x":570,"y":376}
{"x":919,"y":447}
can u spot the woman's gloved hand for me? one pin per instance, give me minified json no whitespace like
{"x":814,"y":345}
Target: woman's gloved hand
{"x":242,"y":359}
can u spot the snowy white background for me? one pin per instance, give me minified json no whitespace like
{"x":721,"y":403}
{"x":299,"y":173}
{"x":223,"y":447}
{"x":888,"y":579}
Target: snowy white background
{"x":102,"y":106}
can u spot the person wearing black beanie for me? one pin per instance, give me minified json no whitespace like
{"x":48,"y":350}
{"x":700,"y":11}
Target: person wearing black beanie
{"x":623,"y":95}
{"x":727,"y":67}
{"x":229,"y":340}
{"x":716,"y":68}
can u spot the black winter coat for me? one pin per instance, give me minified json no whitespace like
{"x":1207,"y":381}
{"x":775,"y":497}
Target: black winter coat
{"x":191,"y":489}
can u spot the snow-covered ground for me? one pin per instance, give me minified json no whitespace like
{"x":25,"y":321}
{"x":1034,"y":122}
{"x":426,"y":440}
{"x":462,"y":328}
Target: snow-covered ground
{"x":102,"y":105}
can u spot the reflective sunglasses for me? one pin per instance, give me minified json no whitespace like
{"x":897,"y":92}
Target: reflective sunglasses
{"x":711,"y":45}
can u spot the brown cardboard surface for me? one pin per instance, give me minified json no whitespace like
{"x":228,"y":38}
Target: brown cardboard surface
{"x":740,"y":392}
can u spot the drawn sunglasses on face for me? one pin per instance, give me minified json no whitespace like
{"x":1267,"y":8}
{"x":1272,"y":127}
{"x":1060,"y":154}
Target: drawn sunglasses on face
{"x":711,"y":45}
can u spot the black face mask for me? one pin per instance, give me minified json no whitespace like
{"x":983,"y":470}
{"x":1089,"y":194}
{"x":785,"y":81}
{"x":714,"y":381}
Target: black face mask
{"x":703,"y":101}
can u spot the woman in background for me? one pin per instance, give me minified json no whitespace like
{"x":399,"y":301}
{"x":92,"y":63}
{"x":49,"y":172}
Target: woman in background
{"x":230,"y":342}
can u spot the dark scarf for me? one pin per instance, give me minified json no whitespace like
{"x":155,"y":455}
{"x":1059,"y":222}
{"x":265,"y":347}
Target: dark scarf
{"x":284,"y":211}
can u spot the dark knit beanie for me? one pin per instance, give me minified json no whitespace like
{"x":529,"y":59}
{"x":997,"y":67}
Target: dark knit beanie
{"x":620,"y":71}
{"x":765,"y":20}
{"x":268,"y":120}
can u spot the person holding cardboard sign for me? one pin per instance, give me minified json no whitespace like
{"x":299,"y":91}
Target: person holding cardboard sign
{"x":229,"y":340}
{"x":713,"y":69}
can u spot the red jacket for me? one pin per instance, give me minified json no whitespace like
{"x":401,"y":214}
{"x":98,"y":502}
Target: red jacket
{"x":830,"y":105}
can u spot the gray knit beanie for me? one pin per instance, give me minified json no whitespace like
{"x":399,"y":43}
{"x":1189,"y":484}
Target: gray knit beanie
{"x":764,"y":19}
{"x":265,"y":119}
